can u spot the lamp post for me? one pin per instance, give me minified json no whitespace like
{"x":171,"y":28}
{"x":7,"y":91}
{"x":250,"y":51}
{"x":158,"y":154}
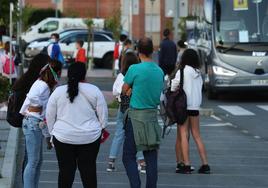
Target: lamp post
{"x":130,"y":18}
{"x":11,"y":8}
{"x":152,"y":15}
{"x":176,"y":19}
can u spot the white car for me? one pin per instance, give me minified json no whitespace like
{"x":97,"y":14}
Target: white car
{"x":102,"y":51}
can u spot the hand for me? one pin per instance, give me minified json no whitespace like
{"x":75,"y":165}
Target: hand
{"x":129,"y":92}
{"x":49,"y":144}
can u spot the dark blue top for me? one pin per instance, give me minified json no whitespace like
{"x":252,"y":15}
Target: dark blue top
{"x":168,"y":52}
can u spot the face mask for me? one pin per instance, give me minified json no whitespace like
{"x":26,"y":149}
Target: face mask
{"x":52,"y":40}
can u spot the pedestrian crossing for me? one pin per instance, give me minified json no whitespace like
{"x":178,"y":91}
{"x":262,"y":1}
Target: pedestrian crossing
{"x":237,"y":110}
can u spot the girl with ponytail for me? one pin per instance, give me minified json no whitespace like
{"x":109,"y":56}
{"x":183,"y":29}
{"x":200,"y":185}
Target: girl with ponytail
{"x":76,"y":116}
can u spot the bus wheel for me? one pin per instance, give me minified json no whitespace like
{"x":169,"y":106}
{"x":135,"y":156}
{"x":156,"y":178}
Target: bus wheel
{"x":212,"y":95}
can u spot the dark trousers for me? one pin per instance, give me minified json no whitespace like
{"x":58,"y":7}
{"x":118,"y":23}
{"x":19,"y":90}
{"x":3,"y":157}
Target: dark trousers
{"x":72,"y":156}
{"x":130,"y":163}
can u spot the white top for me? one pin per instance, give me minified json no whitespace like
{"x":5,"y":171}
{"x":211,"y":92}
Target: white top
{"x":192,"y":86}
{"x":80,"y":122}
{"x":117,"y":87}
{"x":38,"y":97}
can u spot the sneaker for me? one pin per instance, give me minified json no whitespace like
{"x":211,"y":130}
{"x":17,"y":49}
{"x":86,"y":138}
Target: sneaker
{"x":111,"y":167}
{"x":185,"y":169}
{"x":204,"y":169}
{"x":180,"y":166}
{"x":142,"y":168}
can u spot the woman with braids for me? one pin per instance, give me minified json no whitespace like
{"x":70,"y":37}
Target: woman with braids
{"x":76,"y":116}
{"x":33,"y":126}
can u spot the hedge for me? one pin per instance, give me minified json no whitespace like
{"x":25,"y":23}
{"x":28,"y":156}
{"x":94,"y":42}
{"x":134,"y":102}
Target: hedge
{"x":4,"y":89}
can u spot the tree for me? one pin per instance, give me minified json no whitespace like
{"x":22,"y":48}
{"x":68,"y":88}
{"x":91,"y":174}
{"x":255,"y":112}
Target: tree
{"x":113,"y":24}
{"x":4,"y":11}
{"x":90,"y":24}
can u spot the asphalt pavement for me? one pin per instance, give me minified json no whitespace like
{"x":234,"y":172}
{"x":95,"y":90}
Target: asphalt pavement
{"x":236,"y":138}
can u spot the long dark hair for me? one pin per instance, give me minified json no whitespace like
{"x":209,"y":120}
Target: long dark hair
{"x":130,"y":58}
{"x":26,"y":81}
{"x":76,"y":74}
{"x":190,"y":58}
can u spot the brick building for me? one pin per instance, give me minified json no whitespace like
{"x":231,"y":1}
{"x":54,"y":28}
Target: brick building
{"x":148,"y":19}
{"x":82,"y":8}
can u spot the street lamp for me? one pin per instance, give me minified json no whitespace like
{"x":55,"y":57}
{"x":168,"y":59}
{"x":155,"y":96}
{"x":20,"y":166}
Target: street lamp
{"x":11,"y":6}
{"x":130,"y":18}
{"x":152,"y":14}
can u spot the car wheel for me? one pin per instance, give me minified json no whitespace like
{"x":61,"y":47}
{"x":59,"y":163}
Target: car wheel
{"x":108,"y":60}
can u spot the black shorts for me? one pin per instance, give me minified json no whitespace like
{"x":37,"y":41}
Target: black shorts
{"x":193,"y":113}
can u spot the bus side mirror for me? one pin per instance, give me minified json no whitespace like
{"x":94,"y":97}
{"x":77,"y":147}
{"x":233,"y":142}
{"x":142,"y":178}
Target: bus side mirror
{"x":208,"y":10}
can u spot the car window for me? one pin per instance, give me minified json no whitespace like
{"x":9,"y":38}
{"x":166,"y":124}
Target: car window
{"x":100,"y":38}
{"x":70,"y":39}
{"x":49,"y":27}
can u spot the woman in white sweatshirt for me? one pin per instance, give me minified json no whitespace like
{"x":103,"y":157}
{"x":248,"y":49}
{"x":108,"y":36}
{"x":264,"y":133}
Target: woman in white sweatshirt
{"x":193,"y":88}
{"x":76,"y":116}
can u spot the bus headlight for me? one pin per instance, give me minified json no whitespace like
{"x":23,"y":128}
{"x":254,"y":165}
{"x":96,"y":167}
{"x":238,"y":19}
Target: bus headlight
{"x":220,"y":71}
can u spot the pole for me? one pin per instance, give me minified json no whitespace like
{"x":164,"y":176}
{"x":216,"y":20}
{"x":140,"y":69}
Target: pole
{"x":152,"y":14}
{"x":130,"y":18}
{"x":98,"y":8}
{"x":176,"y":20}
{"x":56,"y":9}
{"x":10,"y":41}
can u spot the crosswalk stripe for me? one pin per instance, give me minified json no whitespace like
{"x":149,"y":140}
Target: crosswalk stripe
{"x":236,"y":110}
{"x":264,"y":107}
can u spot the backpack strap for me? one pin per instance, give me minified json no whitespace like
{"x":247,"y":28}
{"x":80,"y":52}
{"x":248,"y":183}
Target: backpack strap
{"x":181,"y":77}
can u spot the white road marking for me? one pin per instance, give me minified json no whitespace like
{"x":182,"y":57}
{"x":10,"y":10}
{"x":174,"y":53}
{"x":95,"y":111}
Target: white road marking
{"x":216,"y":118}
{"x":245,"y":131}
{"x":264,"y":107}
{"x":257,"y":137}
{"x":236,"y":110}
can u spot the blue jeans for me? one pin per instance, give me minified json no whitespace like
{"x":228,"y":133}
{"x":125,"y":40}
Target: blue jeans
{"x":119,"y":138}
{"x":129,"y":160}
{"x":33,"y":139}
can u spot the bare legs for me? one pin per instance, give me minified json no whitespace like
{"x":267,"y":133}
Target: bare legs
{"x":192,"y":123}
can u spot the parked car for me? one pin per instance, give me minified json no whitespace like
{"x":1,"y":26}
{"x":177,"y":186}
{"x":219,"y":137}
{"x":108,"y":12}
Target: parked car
{"x":102,"y":51}
{"x":56,"y":25}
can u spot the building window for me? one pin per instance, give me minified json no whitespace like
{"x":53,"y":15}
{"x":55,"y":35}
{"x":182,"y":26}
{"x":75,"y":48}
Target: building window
{"x":152,"y":23}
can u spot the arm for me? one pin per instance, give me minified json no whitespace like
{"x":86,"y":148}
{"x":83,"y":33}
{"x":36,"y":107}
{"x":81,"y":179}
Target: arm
{"x":102,"y":110}
{"x":129,"y":80}
{"x":175,"y":82}
{"x":51,"y":112}
{"x":117,"y":87}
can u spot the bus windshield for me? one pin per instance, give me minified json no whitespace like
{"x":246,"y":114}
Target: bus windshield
{"x":241,"y":22}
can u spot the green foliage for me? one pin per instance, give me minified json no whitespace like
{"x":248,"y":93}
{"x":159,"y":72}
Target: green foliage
{"x":4,"y":12}
{"x":4,"y":89}
{"x":32,"y":16}
{"x":113,"y":24}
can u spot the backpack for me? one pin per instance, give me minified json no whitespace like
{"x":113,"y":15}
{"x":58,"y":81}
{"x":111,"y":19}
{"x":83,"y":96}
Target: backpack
{"x":7,"y":64}
{"x":174,"y":106}
{"x":15,"y":101}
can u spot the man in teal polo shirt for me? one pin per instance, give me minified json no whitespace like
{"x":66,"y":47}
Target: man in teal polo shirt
{"x":144,"y":82}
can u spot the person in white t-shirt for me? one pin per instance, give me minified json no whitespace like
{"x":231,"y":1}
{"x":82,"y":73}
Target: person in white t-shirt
{"x":34,"y":127}
{"x":130,"y":58}
{"x":76,"y":115}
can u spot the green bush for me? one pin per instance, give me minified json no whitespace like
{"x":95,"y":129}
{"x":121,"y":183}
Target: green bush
{"x":4,"y":89}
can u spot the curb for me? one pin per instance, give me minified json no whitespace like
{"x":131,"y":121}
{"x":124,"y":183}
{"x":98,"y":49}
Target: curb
{"x":8,"y":170}
{"x":203,"y":112}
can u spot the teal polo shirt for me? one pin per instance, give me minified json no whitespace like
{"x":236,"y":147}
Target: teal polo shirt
{"x":146,"y":80}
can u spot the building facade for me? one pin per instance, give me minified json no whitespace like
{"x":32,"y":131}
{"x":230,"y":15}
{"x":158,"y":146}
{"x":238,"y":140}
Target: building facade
{"x":149,"y":17}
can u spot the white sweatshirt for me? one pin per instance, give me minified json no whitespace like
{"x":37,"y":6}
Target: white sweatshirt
{"x":80,"y":122}
{"x":192,"y":86}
